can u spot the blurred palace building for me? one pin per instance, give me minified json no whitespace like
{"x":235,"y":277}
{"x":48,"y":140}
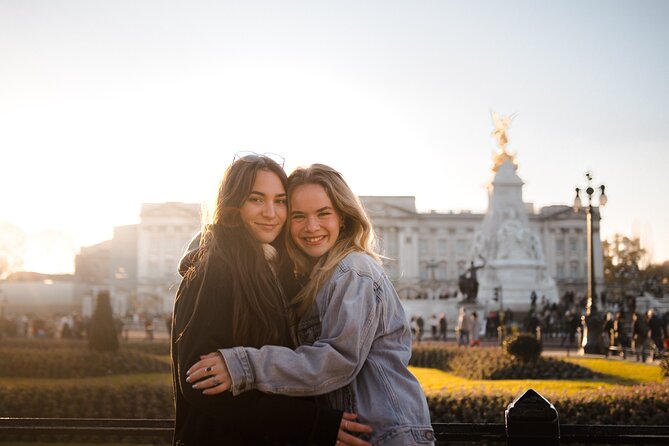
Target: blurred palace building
{"x":426,"y":252}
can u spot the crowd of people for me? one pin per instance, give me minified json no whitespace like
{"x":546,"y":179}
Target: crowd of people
{"x":644,"y":334}
{"x":76,"y":326}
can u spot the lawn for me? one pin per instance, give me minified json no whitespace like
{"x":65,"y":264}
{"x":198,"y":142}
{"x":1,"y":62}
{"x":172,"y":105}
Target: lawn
{"x":618,"y":374}
{"x":139,"y":378}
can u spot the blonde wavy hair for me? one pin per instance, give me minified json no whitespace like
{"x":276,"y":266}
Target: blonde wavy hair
{"x":356,"y":234}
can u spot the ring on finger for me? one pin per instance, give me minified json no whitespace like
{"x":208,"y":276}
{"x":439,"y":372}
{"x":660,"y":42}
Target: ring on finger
{"x":209,"y":369}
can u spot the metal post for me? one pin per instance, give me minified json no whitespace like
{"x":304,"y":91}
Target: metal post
{"x":591,"y":262}
{"x":591,"y":341}
{"x":501,"y":320}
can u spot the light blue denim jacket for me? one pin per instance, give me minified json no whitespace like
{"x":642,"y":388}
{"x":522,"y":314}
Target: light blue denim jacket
{"x":355,"y":347}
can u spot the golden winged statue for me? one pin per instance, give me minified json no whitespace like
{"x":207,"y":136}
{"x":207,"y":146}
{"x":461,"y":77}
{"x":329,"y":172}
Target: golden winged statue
{"x":501,"y":124}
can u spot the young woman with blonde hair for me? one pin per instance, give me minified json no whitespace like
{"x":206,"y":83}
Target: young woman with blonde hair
{"x":355,"y":340}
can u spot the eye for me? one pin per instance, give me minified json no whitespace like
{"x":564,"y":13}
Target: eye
{"x":324,"y":214}
{"x":282,"y":201}
{"x":297,"y":217}
{"x":255,"y":200}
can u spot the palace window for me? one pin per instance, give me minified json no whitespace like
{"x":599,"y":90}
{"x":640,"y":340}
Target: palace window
{"x":443,"y":247}
{"x":559,"y":270}
{"x":573,"y":269}
{"x":424,"y":271}
{"x":461,"y":267}
{"x":442,"y":271}
{"x":559,"y":246}
{"x":423,"y":247}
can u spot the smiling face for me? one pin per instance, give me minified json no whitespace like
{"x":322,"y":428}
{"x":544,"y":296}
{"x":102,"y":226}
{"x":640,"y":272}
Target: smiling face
{"x":264,"y":211}
{"x":314,"y":222}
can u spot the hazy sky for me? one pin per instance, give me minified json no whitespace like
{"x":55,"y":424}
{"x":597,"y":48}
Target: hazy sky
{"x":105,"y":105}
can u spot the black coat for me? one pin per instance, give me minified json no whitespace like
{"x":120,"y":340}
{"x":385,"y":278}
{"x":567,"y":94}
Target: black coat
{"x":252,"y":418}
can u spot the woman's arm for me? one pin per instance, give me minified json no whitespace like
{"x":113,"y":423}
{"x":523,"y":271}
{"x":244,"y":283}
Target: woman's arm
{"x":281,"y":418}
{"x":210,"y":373}
{"x":348,"y":329}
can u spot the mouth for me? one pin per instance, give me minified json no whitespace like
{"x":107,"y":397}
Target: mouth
{"x":267,"y":226}
{"x":313,"y":240}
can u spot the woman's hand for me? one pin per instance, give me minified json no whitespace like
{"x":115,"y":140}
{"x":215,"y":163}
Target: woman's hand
{"x":210,"y":374}
{"x":348,"y":425}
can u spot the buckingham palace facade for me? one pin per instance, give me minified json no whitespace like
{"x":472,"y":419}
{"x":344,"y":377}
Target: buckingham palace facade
{"x":426,"y":252}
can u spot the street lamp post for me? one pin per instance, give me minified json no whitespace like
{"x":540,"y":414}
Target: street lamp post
{"x":501,"y":316}
{"x":591,"y":342}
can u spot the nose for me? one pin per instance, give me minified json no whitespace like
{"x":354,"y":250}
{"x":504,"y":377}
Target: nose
{"x":269,"y":211}
{"x":312,"y":224}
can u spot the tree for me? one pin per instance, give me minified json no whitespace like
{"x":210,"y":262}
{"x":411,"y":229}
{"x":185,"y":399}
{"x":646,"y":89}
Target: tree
{"x":622,"y":258}
{"x":103,"y":336}
{"x":12,"y":245}
{"x":656,"y":279}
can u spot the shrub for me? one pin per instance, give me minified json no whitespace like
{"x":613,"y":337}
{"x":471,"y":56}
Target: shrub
{"x":664,"y":365}
{"x":158,"y":348}
{"x":75,"y":362}
{"x":432,"y":355}
{"x":103,"y":335}
{"x":642,"y":405}
{"x":492,"y":363}
{"x":99,"y":400}
{"x":522,"y":346}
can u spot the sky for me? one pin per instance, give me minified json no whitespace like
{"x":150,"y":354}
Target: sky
{"x":105,"y":105}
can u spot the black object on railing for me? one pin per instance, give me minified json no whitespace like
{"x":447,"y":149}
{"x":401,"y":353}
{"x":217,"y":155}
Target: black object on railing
{"x":529,"y":419}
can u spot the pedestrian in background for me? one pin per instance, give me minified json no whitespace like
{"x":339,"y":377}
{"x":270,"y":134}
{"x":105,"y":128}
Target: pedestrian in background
{"x":639,"y":337}
{"x":475,"y":329}
{"x":462,"y":328}
{"x":443,"y":326}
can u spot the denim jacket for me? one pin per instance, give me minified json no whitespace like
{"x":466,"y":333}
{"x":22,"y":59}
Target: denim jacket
{"x":355,"y":348}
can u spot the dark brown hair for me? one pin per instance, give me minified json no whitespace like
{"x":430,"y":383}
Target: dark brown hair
{"x":259,"y":308}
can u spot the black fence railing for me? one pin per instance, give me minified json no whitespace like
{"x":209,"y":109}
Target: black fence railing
{"x":529,"y":420}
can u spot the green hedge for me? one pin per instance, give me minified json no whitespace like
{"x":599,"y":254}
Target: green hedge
{"x":642,"y":405}
{"x":489,"y":364}
{"x":492,"y":363}
{"x":522,"y":346}
{"x":99,"y":400}
{"x":156,"y":347}
{"x":70,"y":398}
{"x":160,"y":348}
{"x":433,"y":355}
{"x":73,"y":362}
